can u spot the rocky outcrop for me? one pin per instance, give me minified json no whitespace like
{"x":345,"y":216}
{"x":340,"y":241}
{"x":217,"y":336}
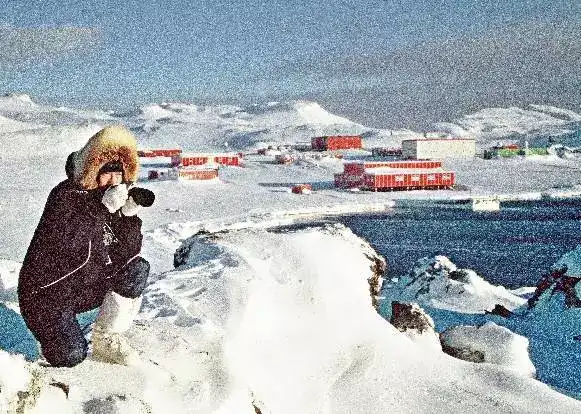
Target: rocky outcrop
{"x":416,"y":324}
{"x":409,"y":316}
{"x":463,"y":353}
{"x":489,"y":343}
{"x":378,"y":267}
{"x":555,"y":284}
{"x":439,"y":283}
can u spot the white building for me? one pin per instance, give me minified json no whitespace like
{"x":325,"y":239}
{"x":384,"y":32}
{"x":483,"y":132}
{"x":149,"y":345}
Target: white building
{"x":430,"y":148}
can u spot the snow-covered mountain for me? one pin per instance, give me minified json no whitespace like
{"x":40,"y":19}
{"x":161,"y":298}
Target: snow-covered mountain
{"x":227,"y":127}
{"x":538,"y":125}
{"x":22,"y":108}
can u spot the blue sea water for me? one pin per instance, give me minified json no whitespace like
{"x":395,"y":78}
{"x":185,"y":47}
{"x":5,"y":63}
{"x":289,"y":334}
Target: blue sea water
{"x":512,"y":247}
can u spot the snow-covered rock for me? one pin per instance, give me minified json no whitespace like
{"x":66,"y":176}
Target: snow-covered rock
{"x":437,"y":282}
{"x":27,"y":388}
{"x":489,"y":343}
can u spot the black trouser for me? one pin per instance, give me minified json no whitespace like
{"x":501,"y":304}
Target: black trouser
{"x":56,"y":327}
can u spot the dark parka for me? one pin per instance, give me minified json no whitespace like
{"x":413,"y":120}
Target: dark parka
{"x":78,"y":243}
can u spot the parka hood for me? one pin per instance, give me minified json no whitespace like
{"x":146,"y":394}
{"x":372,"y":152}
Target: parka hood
{"x":112,"y":143}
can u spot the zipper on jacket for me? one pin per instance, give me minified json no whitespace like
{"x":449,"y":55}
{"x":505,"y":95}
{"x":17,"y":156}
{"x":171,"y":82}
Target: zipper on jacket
{"x":71,"y":272}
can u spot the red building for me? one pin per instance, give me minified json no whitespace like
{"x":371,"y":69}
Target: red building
{"x":228,"y":159}
{"x":159,"y":152}
{"x":353,"y":171}
{"x":194,"y":160}
{"x":336,"y":142}
{"x":198,"y":173}
{"x":358,"y":167}
{"x":191,"y":159}
{"x":407,"y":179}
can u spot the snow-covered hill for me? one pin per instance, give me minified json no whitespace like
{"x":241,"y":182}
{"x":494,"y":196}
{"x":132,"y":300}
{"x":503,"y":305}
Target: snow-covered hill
{"x":224,"y":127}
{"x":538,"y":125}
{"x":21,"y":107}
{"x":260,"y":320}
{"x":235,"y":128}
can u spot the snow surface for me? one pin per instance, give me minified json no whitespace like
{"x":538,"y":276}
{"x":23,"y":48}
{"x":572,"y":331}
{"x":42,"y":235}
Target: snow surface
{"x":281,"y":321}
{"x":497,"y":344}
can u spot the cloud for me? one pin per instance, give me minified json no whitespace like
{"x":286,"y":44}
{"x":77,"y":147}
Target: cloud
{"x":21,"y":46}
{"x":437,"y":80}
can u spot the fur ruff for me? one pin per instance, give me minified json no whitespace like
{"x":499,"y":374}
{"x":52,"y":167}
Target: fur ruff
{"x":112,"y":143}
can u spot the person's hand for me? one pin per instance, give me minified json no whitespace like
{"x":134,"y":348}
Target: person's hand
{"x":115,"y":197}
{"x":130,"y":208}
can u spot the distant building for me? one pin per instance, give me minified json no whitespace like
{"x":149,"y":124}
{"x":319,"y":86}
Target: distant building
{"x":394,"y":175}
{"x":159,"y":152}
{"x":430,"y":148}
{"x":386,"y":178}
{"x":173,"y":164}
{"x":336,"y":142}
{"x":192,"y":159}
{"x":198,"y":173}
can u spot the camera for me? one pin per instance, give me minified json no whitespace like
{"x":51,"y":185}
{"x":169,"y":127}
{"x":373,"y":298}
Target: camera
{"x":142,"y":196}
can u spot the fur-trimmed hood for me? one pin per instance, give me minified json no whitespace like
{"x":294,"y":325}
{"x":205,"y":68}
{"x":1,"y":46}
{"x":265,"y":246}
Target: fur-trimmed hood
{"x":112,"y":143}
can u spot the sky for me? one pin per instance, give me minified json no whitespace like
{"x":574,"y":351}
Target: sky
{"x":381,"y":63}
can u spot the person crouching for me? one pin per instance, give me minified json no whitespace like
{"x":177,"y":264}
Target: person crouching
{"x":85,"y":254}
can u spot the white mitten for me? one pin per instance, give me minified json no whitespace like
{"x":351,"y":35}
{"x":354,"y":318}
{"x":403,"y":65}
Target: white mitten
{"x":115,"y":197}
{"x":130,"y":208}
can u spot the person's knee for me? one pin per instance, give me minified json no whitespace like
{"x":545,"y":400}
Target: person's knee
{"x":134,"y":278}
{"x":141,"y":267}
{"x":65,"y":356}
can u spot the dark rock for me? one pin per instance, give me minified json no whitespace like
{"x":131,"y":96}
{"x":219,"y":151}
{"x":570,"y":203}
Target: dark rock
{"x":405,"y":316}
{"x":465,"y":354}
{"x":459,"y":275}
{"x":500,"y":311}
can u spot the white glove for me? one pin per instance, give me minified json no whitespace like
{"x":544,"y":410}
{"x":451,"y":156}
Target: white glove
{"x":130,"y":208}
{"x":115,"y":197}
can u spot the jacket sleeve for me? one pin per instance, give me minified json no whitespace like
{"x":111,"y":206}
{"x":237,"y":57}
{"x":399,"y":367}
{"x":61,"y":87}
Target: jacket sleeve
{"x":127,"y":229}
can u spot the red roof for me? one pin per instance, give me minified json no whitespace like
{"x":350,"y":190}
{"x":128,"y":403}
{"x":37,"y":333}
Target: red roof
{"x":439,"y":139}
